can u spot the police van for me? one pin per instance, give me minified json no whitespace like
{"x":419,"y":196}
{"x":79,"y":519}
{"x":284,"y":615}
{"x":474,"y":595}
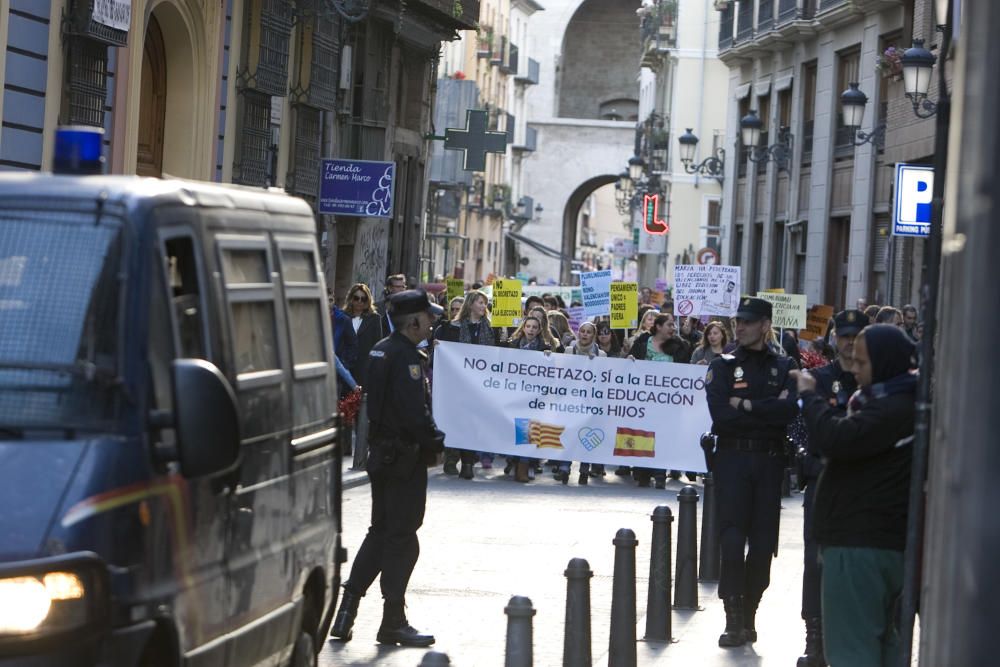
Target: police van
{"x":169,"y":460}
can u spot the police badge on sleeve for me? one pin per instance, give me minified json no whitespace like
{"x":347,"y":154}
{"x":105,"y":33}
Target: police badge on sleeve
{"x":415,"y":371}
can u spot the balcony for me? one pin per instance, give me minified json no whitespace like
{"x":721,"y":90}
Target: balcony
{"x":510,"y":67}
{"x":744,"y":23}
{"x":658,"y":32}
{"x":794,"y":21}
{"x":499,"y":53}
{"x":835,"y":13}
{"x":465,"y":19}
{"x":484,"y":42}
{"x":726,"y":28}
{"x":531,"y":77}
{"x":529,"y":144}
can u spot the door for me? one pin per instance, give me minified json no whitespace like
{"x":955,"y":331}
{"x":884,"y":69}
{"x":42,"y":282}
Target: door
{"x":152,"y":103}
{"x":838,"y":250}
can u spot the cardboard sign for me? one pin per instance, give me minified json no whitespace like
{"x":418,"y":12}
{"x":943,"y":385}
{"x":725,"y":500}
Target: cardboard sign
{"x":596,"y":289}
{"x":624,"y":305}
{"x":456,"y":287}
{"x":789,"y":309}
{"x":706,"y":289}
{"x":817,"y":319}
{"x":506,"y":303}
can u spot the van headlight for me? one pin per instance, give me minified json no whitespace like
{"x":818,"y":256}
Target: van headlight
{"x":52,"y":596}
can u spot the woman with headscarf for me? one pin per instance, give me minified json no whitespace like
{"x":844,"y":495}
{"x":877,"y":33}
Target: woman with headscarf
{"x":862,"y":497}
{"x":585,"y":344}
{"x":528,"y":336}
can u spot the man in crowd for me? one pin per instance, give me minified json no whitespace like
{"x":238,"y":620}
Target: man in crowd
{"x":403,"y":439}
{"x":394,"y":284}
{"x":835,"y":383}
{"x":910,"y":322}
{"x":751,"y":398}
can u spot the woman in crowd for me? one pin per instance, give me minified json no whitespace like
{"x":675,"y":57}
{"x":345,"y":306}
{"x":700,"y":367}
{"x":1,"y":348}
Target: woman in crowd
{"x":531,"y":335}
{"x":690,"y":332}
{"x":660,"y":344}
{"x":608,"y":341}
{"x":548,"y":333}
{"x":585,"y":344}
{"x":862,"y":497}
{"x":889,"y":315}
{"x":472,"y":326}
{"x":367,"y":327}
{"x":561,"y":326}
{"x":713,"y":342}
{"x":647,"y":314}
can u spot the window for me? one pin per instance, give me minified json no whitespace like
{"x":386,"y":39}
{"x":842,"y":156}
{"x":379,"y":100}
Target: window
{"x":741,"y":161}
{"x":764,"y":113}
{"x":713,"y":233}
{"x":808,"y":109}
{"x":182,"y":272}
{"x":253,"y":321}
{"x":785,"y":108}
{"x":305,"y":306}
{"x":848,"y":71}
{"x":777,"y":278}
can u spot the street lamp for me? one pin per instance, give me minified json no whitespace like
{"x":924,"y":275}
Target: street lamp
{"x":780,"y":152}
{"x":713,"y":166}
{"x":918,"y":64}
{"x":636,"y":168}
{"x":852,"y":104}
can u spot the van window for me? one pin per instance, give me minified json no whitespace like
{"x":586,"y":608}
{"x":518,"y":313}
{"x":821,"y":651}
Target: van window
{"x":305,"y":306}
{"x":182,"y":269}
{"x":250,"y":292}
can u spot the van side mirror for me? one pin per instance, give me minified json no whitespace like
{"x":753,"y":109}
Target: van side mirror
{"x":206,"y":419}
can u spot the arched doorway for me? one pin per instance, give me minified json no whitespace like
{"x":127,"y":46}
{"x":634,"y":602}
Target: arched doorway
{"x":152,"y":103}
{"x":571,"y":214}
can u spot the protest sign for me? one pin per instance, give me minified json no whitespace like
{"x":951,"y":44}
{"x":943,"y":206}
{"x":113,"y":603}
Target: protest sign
{"x":596,"y":289}
{"x":706,"y":289}
{"x":624,"y":305}
{"x":576,"y":317}
{"x":456,"y":287}
{"x":568,"y":293}
{"x":817,"y":319}
{"x":789,"y":310}
{"x":571,"y":407}
{"x":506,"y":303}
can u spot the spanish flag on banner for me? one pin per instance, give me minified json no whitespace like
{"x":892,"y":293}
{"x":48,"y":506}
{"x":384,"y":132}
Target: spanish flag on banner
{"x":633,"y":442}
{"x":546,"y":435}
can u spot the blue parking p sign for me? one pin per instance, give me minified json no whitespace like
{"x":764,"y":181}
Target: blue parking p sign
{"x":912,"y":209}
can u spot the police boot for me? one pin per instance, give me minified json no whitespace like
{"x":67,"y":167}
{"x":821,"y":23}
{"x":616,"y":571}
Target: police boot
{"x":814,"y":645}
{"x":734,"y":635}
{"x":395,"y":629}
{"x":750,"y":604}
{"x":343,"y":624}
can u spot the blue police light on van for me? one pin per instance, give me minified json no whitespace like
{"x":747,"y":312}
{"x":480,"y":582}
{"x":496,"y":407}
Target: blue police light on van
{"x":913,"y":194}
{"x":79,"y":150}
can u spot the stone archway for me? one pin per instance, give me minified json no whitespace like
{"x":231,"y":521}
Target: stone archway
{"x":571,"y":213}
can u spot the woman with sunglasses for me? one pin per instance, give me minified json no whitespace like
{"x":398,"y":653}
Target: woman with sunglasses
{"x":367,"y":327}
{"x":608,"y":341}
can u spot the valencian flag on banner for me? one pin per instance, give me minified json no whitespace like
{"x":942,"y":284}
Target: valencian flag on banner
{"x":540,"y":434}
{"x":633,"y":442}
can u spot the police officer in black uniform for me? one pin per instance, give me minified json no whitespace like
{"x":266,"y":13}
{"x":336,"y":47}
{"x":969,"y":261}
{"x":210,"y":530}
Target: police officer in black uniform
{"x":752,"y":399}
{"x":835,"y":383}
{"x":403,"y":440}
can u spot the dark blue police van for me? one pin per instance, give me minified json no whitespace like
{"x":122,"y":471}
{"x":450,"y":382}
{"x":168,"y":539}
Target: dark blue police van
{"x":169,"y":460}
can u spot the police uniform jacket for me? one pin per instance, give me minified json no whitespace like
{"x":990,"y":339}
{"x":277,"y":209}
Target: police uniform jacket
{"x":835,"y":385}
{"x":759,"y":376}
{"x":398,"y":401}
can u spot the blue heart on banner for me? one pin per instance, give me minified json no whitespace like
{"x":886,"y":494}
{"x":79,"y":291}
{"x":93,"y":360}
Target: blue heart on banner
{"x":591,"y":438}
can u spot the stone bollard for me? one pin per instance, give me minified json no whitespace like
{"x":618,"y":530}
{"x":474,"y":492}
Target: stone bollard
{"x":622,"y":650}
{"x":658,"y":603}
{"x":710,"y":563}
{"x":435,"y":659}
{"x":686,"y":579}
{"x":361,"y":436}
{"x":576,"y":643}
{"x":519,"y":640}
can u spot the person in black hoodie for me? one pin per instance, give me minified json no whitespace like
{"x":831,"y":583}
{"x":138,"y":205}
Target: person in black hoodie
{"x":862,"y":497}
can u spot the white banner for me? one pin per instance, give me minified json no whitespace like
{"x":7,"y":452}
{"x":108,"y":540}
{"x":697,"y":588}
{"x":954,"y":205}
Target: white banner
{"x":706,"y":289}
{"x":570,"y":407}
{"x":113,"y":13}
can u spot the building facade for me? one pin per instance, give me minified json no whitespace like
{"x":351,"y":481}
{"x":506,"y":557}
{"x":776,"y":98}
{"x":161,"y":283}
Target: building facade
{"x":820,"y":223}
{"x":254,"y":92}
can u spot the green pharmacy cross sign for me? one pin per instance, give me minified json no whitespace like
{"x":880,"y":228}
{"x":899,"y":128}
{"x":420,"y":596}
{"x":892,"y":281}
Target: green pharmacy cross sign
{"x":475,"y":140}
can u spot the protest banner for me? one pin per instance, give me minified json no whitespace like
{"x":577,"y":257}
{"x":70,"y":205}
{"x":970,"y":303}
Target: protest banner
{"x":571,"y":407}
{"x":456,"y":287}
{"x":789,"y":310}
{"x":506,"y":303}
{"x":706,"y":289}
{"x":817,"y":319}
{"x":624,"y":305}
{"x":596,"y":289}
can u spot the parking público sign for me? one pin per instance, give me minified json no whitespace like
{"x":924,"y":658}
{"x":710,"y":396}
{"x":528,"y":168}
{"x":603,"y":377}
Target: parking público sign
{"x":911,"y":211}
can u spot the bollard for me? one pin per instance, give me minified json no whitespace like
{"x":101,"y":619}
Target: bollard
{"x":576,"y":643}
{"x":361,"y":436}
{"x":786,"y":483}
{"x":519,"y":648}
{"x":710,"y":562}
{"x":622,"y":651}
{"x":686,"y":579}
{"x":435,"y":659}
{"x":658,"y":603}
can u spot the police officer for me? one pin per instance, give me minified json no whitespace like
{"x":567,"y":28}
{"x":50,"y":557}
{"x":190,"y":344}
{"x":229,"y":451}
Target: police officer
{"x":835,"y":383}
{"x":403,"y":439}
{"x":751,"y":398}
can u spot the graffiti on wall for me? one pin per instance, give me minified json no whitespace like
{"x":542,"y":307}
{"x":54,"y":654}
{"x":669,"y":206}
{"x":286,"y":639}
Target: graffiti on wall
{"x":371,"y":252}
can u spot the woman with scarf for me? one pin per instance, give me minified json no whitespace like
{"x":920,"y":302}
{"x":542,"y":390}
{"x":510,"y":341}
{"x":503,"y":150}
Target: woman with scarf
{"x":862,"y":497}
{"x":585,"y":344}
{"x":531,"y":335}
{"x":472,"y":326}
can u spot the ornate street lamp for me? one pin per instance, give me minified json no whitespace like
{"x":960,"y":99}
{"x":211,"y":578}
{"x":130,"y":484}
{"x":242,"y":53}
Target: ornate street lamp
{"x":636,"y":168}
{"x":780,"y":152}
{"x":918,"y":65}
{"x":852,"y":104}
{"x":713,"y":166}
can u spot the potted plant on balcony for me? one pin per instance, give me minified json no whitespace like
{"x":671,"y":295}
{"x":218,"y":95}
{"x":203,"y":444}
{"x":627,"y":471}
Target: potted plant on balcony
{"x":890,"y":63}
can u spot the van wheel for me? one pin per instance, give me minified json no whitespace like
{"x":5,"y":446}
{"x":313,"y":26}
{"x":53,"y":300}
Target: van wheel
{"x":304,"y":655}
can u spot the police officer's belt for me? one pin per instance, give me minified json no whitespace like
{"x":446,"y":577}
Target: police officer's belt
{"x":750,"y":445}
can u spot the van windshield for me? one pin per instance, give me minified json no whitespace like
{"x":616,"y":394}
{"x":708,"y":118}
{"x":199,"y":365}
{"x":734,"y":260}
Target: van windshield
{"x":59,"y":317}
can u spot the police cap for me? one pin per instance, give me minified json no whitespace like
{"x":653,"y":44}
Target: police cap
{"x":849,"y":322}
{"x":753,"y":309}
{"x":411,"y":302}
